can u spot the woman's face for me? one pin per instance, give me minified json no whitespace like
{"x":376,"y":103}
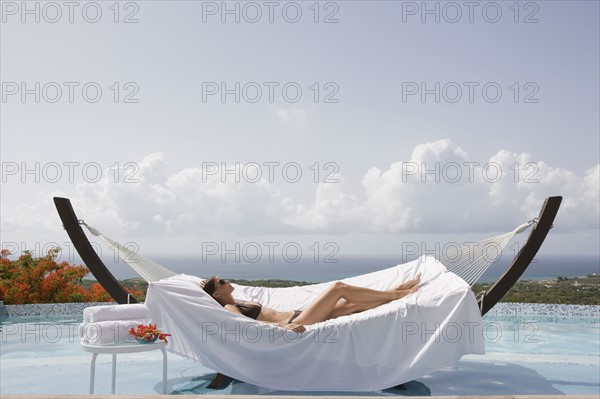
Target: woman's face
{"x":222,"y":287}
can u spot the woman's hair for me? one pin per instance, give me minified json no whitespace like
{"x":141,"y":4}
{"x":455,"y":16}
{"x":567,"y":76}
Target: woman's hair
{"x":211,"y":285}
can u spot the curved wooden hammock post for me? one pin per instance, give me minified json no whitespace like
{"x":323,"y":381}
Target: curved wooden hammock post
{"x":489,"y":299}
{"x":524,"y":256}
{"x":87,"y":253}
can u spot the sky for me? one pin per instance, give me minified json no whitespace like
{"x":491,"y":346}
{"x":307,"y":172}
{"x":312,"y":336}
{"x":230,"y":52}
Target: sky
{"x":363,"y":126}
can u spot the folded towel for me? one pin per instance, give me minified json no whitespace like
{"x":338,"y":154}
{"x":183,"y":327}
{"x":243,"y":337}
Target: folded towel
{"x":109,"y":332}
{"x":116,"y":312}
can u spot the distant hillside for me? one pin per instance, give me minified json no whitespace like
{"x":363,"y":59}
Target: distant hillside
{"x":564,"y":290}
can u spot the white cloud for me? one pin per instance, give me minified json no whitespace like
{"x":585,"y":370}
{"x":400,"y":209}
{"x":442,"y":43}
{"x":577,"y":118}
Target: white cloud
{"x":440,"y":189}
{"x":332,"y":210}
{"x":293,"y":117}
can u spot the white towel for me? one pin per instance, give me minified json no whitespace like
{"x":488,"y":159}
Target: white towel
{"x":116,"y":312}
{"x":109,"y":332}
{"x":382,"y":347}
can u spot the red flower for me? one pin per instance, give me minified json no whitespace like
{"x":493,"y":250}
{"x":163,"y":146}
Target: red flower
{"x":148,"y":332}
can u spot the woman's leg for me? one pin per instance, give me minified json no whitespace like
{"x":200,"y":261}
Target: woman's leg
{"x":343,"y":308}
{"x":323,"y":306}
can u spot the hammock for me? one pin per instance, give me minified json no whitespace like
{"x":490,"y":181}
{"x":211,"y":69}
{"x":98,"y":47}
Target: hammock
{"x":375,"y":349}
{"x":392,"y":344}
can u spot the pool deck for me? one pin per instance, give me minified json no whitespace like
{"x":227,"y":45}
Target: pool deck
{"x":500,"y":375}
{"x":561,"y":362}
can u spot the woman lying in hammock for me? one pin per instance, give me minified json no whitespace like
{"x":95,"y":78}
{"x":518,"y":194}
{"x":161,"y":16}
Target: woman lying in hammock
{"x":338,"y":300}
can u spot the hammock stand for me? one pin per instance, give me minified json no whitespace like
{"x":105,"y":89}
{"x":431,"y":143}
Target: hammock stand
{"x":486,"y":300}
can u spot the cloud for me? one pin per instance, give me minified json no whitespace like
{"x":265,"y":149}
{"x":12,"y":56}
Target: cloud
{"x":332,"y":210}
{"x":191,"y":200}
{"x":440,"y":189}
{"x":293,"y":117}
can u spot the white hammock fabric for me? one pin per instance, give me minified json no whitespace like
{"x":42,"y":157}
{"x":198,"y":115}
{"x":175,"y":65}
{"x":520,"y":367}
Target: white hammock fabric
{"x":376,"y":349}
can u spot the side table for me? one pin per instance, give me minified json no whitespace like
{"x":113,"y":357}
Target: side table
{"x":123,"y":348}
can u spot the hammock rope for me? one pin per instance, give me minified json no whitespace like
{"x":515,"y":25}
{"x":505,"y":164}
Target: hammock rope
{"x":468,"y":261}
{"x":471,"y":260}
{"x":146,"y":268}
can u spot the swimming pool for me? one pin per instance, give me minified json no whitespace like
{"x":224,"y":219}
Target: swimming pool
{"x":549,"y":349}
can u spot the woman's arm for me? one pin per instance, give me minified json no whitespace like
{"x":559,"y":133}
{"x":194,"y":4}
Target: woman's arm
{"x":298,"y":328}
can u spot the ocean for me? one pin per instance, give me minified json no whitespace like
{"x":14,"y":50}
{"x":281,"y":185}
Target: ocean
{"x":543,"y":267}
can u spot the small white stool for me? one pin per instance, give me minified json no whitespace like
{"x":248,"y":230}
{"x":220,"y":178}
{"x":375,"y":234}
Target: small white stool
{"x":123,"y":348}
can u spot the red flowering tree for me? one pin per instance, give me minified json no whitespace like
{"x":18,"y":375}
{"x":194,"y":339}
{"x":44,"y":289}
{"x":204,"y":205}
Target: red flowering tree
{"x":97,"y":293}
{"x":43,"y":280}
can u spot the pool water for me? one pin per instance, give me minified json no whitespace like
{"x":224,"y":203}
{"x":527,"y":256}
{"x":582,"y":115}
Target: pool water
{"x":526,"y":354}
{"x":39,"y":336}
{"x":542,"y":335}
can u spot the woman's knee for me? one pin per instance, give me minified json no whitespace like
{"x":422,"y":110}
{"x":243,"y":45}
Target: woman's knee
{"x":339,"y":287}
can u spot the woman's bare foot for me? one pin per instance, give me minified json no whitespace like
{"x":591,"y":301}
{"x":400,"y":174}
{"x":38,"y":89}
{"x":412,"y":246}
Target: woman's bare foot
{"x":403,"y":293}
{"x":409,"y":283}
{"x":406,"y":288}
